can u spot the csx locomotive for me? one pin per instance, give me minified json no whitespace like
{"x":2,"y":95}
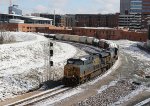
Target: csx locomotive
{"x":79,"y":70}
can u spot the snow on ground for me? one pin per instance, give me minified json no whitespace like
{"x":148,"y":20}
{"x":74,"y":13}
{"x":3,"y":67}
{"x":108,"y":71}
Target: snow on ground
{"x":17,"y":37}
{"x":108,"y":94}
{"x":107,"y":86}
{"x":62,"y":52}
{"x":23,"y":63}
{"x":141,"y":61}
{"x":141,"y":57}
{"x":131,"y":48}
{"x":131,"y":95}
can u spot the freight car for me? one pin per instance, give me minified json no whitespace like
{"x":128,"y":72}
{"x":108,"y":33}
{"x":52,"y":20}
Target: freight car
{"x":59,"y":36}
{"x":79,"y":70}
{"x":84,"y":39}
{"x":65,"y":37}
{"x":74,"y":38}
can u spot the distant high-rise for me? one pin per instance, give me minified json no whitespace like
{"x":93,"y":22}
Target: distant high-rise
{"x":145,"y":13}
{"x":146,"y":7}
{"x":134,"y":14}
{"x":124,"y":6}
{"x":135,"y":6}
{"x":14,"y":10}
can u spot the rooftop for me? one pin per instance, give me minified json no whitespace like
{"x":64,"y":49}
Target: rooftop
{"x":37,"y":18}
{"x":30,"y":17}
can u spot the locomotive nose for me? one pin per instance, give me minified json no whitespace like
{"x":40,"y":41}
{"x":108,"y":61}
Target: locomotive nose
{"x":68,"y":70}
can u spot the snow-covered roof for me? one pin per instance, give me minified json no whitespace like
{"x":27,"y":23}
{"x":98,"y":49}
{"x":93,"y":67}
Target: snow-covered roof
{"x":16,"y":21}
{"x":11,"y":14}
{"x":30,"y":17}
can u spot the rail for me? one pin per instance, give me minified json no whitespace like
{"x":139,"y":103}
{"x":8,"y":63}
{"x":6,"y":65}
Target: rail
{"x":39,"y":97}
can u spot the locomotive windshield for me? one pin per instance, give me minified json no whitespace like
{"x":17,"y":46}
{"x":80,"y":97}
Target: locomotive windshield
{"x":76,"y":62}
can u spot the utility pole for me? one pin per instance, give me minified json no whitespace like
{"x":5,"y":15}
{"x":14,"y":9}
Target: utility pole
{"x":54,"y":17}
{"x":10,"y":3}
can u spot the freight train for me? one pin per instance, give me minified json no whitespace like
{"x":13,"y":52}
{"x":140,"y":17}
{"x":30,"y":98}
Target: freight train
{"x":79,"y":70}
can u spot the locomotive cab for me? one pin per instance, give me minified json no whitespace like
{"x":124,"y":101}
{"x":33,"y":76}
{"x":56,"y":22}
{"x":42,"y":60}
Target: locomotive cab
{"x":72,"y":71}
{"x":76,"y":69}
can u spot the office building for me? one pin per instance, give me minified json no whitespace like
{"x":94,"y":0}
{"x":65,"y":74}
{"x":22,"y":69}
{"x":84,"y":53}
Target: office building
{"x":124,"y":7}
{"x":136,"y":11}
{"x":145,"y":13}
{"x":97,"y":20}
{"x":7,"y":18}
{"x":138,"y":16}
{"x":57,"y":17}
{"x":68,"y":20}
{"x":14,"y":9}
{"x":135,"y":6}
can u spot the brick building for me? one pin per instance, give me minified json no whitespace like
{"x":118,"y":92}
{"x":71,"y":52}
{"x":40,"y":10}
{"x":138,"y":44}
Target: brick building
{"x":96,"y":20}
{"x":24,"y":27}
{"x":68,"y":20}
{"x":100,"y":33}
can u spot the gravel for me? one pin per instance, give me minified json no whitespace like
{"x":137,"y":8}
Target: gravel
{"x":108,"y":96}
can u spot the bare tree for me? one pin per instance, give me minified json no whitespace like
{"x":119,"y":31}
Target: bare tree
{"x":1,"y":34}
{"x":5,"y":35}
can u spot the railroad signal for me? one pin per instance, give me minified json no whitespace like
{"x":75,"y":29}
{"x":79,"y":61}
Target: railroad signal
{"x":51,"y":44}
{"x":51,"y":52}
{"x":51,"y":63}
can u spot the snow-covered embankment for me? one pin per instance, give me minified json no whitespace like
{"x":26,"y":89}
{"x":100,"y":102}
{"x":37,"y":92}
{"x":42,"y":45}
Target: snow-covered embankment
{"x":22,"y":64}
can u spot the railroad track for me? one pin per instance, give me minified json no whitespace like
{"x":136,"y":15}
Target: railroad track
{"x":39,"y":97}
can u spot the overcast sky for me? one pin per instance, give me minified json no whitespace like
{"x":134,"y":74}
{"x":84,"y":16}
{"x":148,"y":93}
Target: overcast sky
{"x":63,"y":6}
